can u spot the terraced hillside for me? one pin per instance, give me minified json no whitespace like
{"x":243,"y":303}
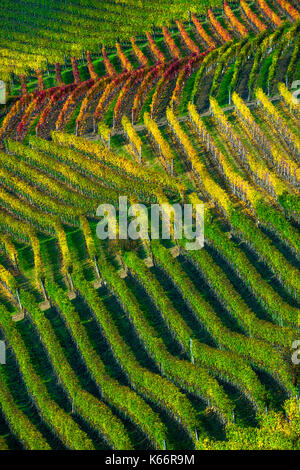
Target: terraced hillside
{"x":35,"y":33}
{"x":142,"y":344}
{"x":169,"y":70}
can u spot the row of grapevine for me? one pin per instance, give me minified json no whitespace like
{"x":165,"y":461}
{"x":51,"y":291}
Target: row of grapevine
{"x":133,"y":138}
{"x":174,"y":49}
{"x":188,"y":41}
{"x":121,"y":163}
{"x":252,"y":17}
{"x":214,"y":191}
{"x":159,"y":56}
{"x":282,"y":162}
{"x":188,"y":376}
{"x":148,"y":383}
{"x":63,"y":172}
{"x":107,"y":63}
{"x":19,"y":423}
{"x":254,"y":197}
{"x":103,"y":173}
{"x":163,"y":146}
{"x":139,"y":53}
{"x":222,"y":33}
{"x":235,"y":304}
{"x":291,"y":11}
{"x":277,"y":308}
{"x":252,"y":235}
{"x":202,"y":33}
{"x":288,"y":98}
{"x":123,"y":58}
{"x":258,"y":352}
{"x":57,"y":419}
{"x":223,"y":364}
{"x":242,"y":30}
{"x":271,"y":15}
{"x":258,"y":169}
{"x":276,"y":120}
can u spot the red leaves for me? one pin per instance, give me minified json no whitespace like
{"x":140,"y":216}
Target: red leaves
{"x":58,"y":95}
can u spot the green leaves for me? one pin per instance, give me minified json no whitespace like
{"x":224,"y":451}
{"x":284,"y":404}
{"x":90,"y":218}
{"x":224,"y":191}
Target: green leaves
{"x":62,"y":423}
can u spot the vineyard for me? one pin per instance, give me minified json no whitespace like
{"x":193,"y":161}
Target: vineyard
{"x":143,"y":344}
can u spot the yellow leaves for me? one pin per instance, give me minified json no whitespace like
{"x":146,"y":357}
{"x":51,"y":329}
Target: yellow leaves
{"x":289,"y":9}
{"x":273,"y":114}
{"x":104,"y":131}
{"x":194,"y":199}
{"x":38,"y":265}
{"x":245,"y":190}
{"x":22,"y":208}
{"x":286,"y":164}
{"x":89,"y":97}
{"x":290,"y":100}
{"x":15,"y":109}
{"x":78,"y":91}
{"x":86,"y":229}
{"x":263,"y":99}
{"x":132,"y":136}
{"x":107,"y":63}
{"x":179,"y":83}
{"x":109,"y":88}
{"x":234,"y":21}
{"x":216,"y":193}
{"x":10,"y":248}
{"x":123,"y":94}
{"x":6,"y":278}
{"x":208,"y":39}
{"x":292,"y":408}
{"x":104,"y":99}
{"x":242,"y":108}
{"x":63,"y":245}
{"x":123,"y":164}
{"x":153,"y":129}
{"x":268,"y":178}
{"x":223,"y":33}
